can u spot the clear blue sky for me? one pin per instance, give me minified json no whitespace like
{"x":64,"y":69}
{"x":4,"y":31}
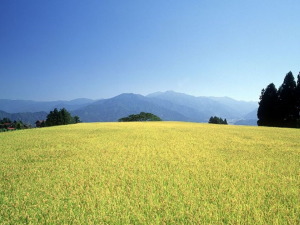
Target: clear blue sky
{"x":67,"y":49}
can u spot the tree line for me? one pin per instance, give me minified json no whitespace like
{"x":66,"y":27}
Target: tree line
{"x":280,"y":107}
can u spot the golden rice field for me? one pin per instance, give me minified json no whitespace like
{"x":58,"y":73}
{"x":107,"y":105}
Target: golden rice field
{"x":150,"y":173}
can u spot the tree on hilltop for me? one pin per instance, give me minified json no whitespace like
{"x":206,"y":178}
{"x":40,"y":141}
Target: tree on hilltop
{"x":140,"y":117}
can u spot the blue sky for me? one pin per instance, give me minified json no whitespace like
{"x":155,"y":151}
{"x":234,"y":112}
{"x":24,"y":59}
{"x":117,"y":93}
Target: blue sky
{"x":62,"y":50}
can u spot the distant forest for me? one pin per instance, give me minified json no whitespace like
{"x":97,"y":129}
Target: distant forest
{"x":280,"y":107}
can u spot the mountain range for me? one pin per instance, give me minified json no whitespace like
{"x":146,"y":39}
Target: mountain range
{"x":169,"y":106}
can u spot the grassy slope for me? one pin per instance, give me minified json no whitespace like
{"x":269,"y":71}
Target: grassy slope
{"x":159,"y":172}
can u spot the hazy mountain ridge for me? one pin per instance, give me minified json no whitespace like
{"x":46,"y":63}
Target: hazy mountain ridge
{"x":210,"y":106}
{"x":17,"y":106}
{"x":249,"y":119}
{"x":123,"y":105}
{"x":168,"y":105}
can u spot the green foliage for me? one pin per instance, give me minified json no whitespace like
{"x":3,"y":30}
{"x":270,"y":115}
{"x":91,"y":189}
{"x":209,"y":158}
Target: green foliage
{"x":61,"y":117}
{"x":76,"y":119}
{"x":268,"y":107}
{"x":280,"y":108}
{"x":217,"y":120}
{"x":140,"y":117}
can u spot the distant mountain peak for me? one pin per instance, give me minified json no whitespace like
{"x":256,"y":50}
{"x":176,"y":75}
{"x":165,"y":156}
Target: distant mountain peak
{"x":165,"y":93}
{"x":126,"y":95}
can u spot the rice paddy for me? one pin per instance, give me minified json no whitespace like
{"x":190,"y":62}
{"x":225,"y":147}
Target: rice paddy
{"x":150,"y":173}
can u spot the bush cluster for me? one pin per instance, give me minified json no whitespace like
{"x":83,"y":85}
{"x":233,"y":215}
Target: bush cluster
{"x":140,"y":117}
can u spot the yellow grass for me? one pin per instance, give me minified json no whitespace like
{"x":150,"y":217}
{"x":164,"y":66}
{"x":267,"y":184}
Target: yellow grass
{"x":150,"y":173}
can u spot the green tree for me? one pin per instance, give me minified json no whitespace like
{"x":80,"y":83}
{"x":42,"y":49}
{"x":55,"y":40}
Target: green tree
{"x":297,"y":97}
{"x":140,"y":117}
{"x":287,"y":101}
{"x":65,"y":117}
{"x":18,"y":125}
{"x":268,"y":107}
{"x":76,"y":119}
{"x":225,"y":122}
{"x":53,"y":118}
{"x":61,"y":117}
{"x":280,"y":107}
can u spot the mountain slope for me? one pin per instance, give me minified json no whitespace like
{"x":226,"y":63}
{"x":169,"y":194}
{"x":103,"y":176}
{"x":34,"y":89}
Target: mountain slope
{"x":17,"y":106}
{"x":191,"y":114}
{"x":168,"y":105}
{"x":122,"y":106}
{"x":241,"y":107}
{"x":207,"y":106}
{"x":249,"y":119}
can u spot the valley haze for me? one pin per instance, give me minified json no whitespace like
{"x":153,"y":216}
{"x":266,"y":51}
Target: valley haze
{"x":169,"y":105}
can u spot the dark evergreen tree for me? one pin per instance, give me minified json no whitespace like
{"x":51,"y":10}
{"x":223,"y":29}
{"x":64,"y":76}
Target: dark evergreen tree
{"x":280,"y":108}
{"x":52,"y":118}
{"x":297,"y":97}
{"x":287,"y":101}
{"x":225,"y":122}
{"x":212,"y":120}
{"x":49,"y":120}
{"x":267,"y":113}
{"x":65,"y":117}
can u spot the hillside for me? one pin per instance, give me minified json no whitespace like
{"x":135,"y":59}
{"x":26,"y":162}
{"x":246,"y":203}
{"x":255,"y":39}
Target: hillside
{"x":20,"y":106}
{"x":138,"y":173}
{"x":124,"y":105}
{"x":170,"y":106}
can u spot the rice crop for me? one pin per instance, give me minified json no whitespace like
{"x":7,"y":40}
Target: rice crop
{"x":150,"y":173}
